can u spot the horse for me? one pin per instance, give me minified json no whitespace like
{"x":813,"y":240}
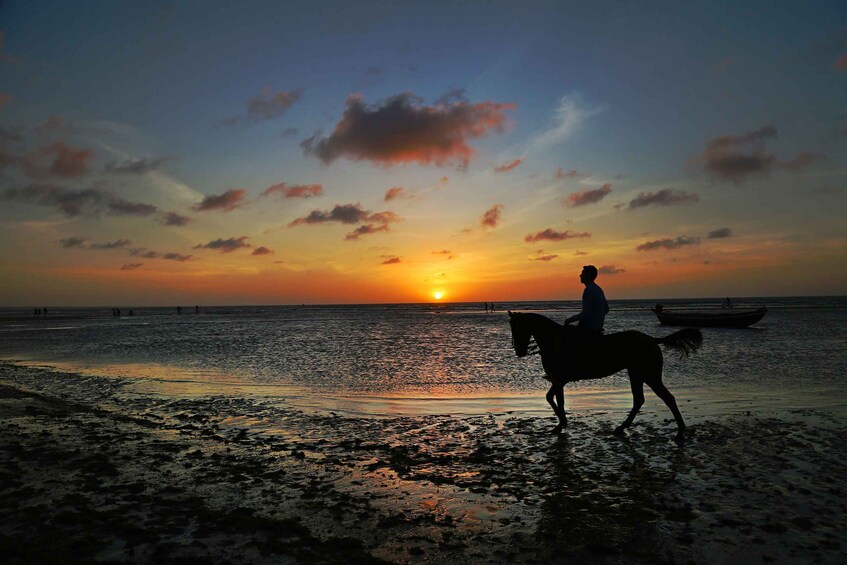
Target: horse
{"x":567,"y":357}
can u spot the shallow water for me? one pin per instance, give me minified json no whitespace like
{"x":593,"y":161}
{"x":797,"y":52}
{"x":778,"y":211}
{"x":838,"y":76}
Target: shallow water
{"x":445,"y":358}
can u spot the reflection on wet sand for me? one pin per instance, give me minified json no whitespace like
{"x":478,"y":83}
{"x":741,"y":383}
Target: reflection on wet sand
{"x":249,"y":478}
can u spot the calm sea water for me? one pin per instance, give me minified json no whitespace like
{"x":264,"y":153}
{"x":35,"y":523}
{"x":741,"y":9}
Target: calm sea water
{"x":796,"y":356}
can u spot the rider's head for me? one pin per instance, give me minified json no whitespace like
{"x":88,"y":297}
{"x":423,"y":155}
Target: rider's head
{"x":588,"y":274}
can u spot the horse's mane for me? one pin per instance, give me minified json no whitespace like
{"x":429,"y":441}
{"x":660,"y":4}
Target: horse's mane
{"x":539,"y":320}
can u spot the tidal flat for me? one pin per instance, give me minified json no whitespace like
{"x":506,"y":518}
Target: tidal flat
{"x":93,"y":470}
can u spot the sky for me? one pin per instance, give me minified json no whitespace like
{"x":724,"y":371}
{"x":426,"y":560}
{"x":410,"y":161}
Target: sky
{"x":156,"y":153}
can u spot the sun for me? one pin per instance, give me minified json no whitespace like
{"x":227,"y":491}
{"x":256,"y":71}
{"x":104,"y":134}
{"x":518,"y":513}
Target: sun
{"x":438,"y":295}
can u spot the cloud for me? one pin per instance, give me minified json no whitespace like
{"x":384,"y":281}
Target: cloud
{"x":56,"y":160}
{"x":719,"y":233}
{"x":444,"y":252}
{"x":117,"y":244}
{"x":176,"y":257}
{"x":567,"y":117}
{"x":136,"y":166}
{"x":59,"y":126}
{"x":840,"y":63}
{"x":228,"y":201}
{"x":295,"y":190}
{"x":664,"y":197}
{"x":343,"y":213}
{"x":610,"y":270}
{"x":391,"y":261}
{"x":351,"y":214}
{"x":541,"y":257}
{"x":267,"y":105}
{"x":572,"y":174}
{"x":289,"y":132}
{"x":142,"y":252}
{"x":173,"y":219}
{"x":580,"y":253}
{"x":550,"y":234}
{"x":396,"y":192}
{"x":131,"y":266}
{"x":226,"y":245}
{"x":262,"y":250}
{"x":491,"y":217}
{"x":668,"y":243}
{"x":365,"y":229}
{"x":802,"y":161}
{"x":71,"y":242}
{"x":72,"y":202}
{"x":120,"y":207}
{"x":737,"y":157}
{"x":403,"y":130}
{"x":589,"y":196}
{"x":508,"y":166}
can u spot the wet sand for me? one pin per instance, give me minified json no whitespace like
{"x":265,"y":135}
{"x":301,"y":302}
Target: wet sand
{"x":93,"y":470}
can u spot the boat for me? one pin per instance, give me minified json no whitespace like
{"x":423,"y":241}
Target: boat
{"x":724,"y":318}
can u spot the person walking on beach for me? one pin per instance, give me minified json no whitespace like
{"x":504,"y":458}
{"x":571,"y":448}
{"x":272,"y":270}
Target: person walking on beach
{"x":594,"y":305}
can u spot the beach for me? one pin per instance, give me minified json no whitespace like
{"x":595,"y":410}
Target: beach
{"x":96,"y":470}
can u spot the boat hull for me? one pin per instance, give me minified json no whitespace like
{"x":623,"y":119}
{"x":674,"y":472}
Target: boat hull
{"x":723,"y":319}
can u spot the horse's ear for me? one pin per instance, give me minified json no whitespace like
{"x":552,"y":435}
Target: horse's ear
{"x":510,"y":313}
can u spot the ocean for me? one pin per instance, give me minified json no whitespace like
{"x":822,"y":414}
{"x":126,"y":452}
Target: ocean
{"x":431,"y":358}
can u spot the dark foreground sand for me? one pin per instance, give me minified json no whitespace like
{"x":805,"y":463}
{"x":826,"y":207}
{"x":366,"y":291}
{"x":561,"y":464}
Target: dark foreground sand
{"x":91,"y":471}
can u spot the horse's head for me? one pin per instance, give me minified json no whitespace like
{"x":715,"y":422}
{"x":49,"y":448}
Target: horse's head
{"x":520,"y":334}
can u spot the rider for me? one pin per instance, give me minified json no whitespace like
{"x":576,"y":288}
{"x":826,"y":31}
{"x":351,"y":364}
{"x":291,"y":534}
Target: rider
{"x":594,"y":305}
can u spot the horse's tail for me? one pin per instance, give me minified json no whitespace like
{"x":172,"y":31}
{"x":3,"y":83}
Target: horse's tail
{"x":685,"y":342}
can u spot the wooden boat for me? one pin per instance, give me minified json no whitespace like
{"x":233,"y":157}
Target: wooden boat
{"x":725,"y":318}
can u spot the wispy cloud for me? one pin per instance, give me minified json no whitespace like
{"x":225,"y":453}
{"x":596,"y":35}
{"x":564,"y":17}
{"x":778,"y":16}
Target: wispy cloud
{"x":568,"y":117}
{"x":737,"y":157}
{"x":173,"y":219}
{"x":610,"y":270}
{"x":550,"y":234}
{"x":590,"y":196}
{"x":226,"y":245}
{"x":262,"y":250}
{"x":668,"y":243}
{"x":58,"y":159}
{"x":719,"y":233}
{"x":138,"y":166}
{"x":561,"y":174}
{"x":131,"y":266}
{"x":72,"y":242}
{"x":294,"y":190}
{"x":392,"y":261}
{"x":228,"y":201}
{"x":491,"y":217}
{"x":73,"y":202}
{"x":404,"y":130}
{"x":508,"y":166}
{"x":267,"y":105}
{"x":664,"y":197}
{"x":802,"y":161}
{"x":117,"y":244}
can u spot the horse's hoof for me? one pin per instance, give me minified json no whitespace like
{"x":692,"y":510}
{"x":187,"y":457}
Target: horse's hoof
{"x":619,"y":431}
{"x":679,"y":438}
{"x":557,"y":430}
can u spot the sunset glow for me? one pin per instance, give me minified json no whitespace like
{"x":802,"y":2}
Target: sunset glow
{"x":344,"y":156}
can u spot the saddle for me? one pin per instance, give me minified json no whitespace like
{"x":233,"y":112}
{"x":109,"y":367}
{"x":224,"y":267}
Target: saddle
{"x":577,"y":350}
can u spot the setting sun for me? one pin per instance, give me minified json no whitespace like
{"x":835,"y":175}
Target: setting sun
{"x":438,"y":295}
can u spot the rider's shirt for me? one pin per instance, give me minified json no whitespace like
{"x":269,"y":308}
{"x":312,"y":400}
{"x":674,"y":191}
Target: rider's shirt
{"x":594,"y":307}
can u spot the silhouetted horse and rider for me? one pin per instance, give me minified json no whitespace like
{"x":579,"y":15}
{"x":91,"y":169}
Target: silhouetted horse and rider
{"x":571,"y":353}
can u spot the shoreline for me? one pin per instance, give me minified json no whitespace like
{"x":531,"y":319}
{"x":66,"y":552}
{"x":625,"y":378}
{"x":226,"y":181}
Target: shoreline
{"x":97,"y":471}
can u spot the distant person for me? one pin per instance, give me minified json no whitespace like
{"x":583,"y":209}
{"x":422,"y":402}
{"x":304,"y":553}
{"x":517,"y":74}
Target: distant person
{"x":45,"y":311}
{"x":196,"y":309}
{"x":594,"y":305}
{"x":131,"y":313}
{"x":727,"y":303}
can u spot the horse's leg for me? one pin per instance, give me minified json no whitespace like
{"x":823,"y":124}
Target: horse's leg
{"x":637,"y":385}
{"x":556,"y":392}
{"x":663,"y":393}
